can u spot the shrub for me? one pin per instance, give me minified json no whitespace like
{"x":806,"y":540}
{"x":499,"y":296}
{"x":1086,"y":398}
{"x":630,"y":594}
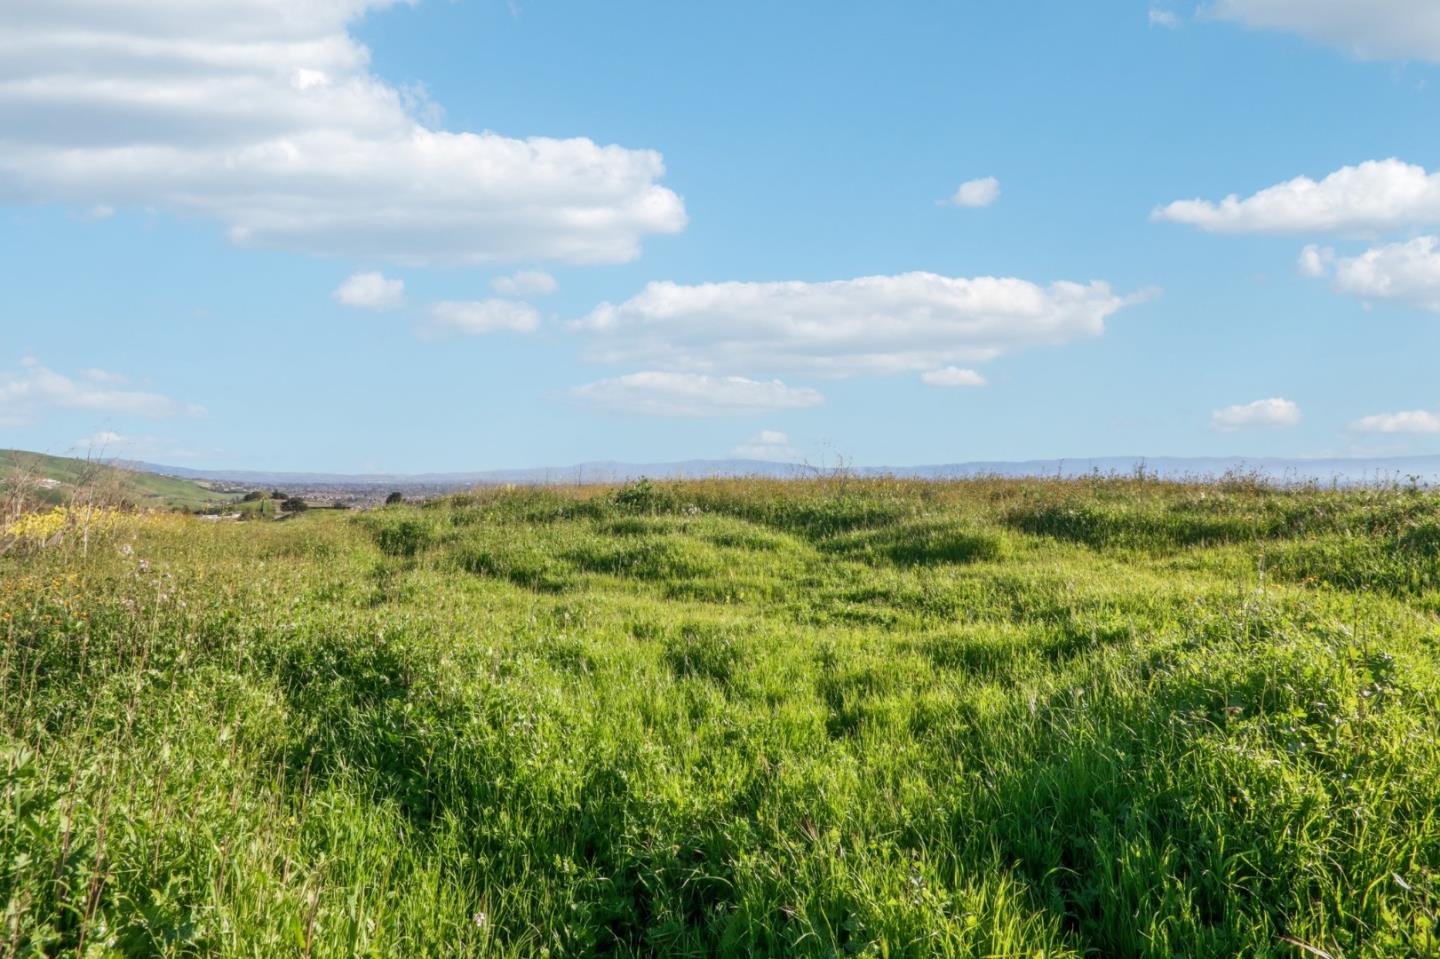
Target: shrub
{"x":642,"y":497}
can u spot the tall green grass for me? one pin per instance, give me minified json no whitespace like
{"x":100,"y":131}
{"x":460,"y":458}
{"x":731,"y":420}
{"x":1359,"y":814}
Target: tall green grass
{"x":873,"y":718}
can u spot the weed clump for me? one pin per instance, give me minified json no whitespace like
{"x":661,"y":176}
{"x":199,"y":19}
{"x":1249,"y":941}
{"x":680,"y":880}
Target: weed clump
{"x":404,"y":538}
{"x":705,"y":652}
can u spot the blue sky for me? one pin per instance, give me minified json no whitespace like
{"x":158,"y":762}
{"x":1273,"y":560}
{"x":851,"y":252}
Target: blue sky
{"x":455,"y":234}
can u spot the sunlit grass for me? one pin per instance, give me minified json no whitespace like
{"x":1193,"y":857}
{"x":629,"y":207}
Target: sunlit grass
{"x":997,"y":718}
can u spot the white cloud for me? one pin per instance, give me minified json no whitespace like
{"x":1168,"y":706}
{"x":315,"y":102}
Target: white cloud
{"x":36,"y":389}
{"x":952,"y":376}
{"x":770,"y":445}
{"x":1315,"y":261}
{"x":1409,"y":421}
{"x":263,"y":115}
{"x":875,"y":324}
{"x":474,"y":317}
{"x":1406,"y":272}
{"x":1369,"y":29}
{"x":108,"y":444}
{"x":103,"y":441}
{"x":525,"y":283}
{"x":104,"y":376}
{"x":1274,"y":413}
{"x":977,"y":193}
{"x":1375,"y":195}
{"x":1163,"y":18}
{"x":693,"y":394}
{"x":371,"y":291}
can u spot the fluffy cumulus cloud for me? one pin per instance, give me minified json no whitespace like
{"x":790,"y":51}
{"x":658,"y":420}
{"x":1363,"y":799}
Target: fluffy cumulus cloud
{"x":371,"y":291}
{"x":1370,"y":29}
{"x":952,"y":376}
{"x":1375,"y":195}
{"x":1271,"y":414}
{"x":875,"y":324}
{"x":1409,"y":421}
{"x":770,"y":445}
{"x":475,"y":317}
{"x":35,"y":389}
{"x":976,"y":193}
{"x":657,"y":393}
{"x":525,"y":283}
{"x":1406,"y":272}
{"x":264,"y":116}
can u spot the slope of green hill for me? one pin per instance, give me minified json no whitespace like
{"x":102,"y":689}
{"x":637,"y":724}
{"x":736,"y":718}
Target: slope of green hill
{"x":57,"y":477}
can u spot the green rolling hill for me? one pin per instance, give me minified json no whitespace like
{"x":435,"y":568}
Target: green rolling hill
{"x":57,"y":477}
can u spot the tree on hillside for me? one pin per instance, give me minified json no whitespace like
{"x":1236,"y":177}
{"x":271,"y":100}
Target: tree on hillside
{"x":294,"y":504}
{"x":253,"y":496}
{"x":394,"y":498}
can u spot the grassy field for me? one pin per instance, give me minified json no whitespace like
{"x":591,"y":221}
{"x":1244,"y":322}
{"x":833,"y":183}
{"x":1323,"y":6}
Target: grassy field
{"x":144,"y":490}
{"x":832,"y":718}
{"x":264,"y":508}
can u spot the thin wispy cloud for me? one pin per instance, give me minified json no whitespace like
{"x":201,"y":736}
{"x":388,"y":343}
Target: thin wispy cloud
{"x":478,"y":317}
{"x":525,"y":283}
{"x":35,"y":389}
{"x":768,"y":445}
{"x":952,"y":376}
{"x":658,"y":393}
{"x":1367,"y":29}
{"x":1408,"y":421}
{"x":105,"y":377}
{"x":108,"y":444}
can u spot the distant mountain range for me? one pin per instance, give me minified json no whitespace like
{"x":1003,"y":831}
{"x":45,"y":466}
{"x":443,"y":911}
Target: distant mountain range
{"x":1344,"y":471}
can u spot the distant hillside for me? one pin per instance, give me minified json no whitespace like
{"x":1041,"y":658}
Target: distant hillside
{"x":597,"y":472}
{"x":1338,"y":470}
{"x":56,"y":478}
